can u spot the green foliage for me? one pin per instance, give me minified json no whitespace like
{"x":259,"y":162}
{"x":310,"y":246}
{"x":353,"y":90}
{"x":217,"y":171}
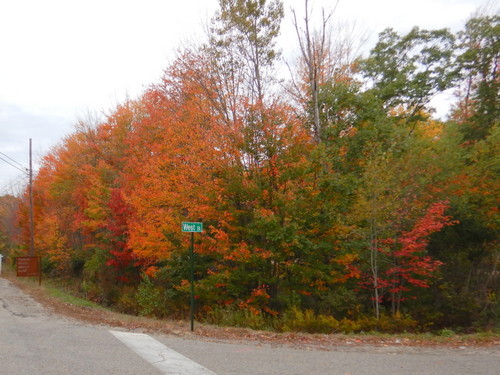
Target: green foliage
{"x":99,"y":281}
{"x":244,"y":35}
{"x":48,"y":267}
{"x":95,"y":266}
{"x":480,"y":43}
{"x":340,"y":301}
{"x":447,"y":333}
{"x":150,"y":299}
{"x":127,"y":302}
{"x":409,"y":70}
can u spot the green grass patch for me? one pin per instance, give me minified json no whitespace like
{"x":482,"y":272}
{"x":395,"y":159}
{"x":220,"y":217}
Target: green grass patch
{"x":66,"y":297}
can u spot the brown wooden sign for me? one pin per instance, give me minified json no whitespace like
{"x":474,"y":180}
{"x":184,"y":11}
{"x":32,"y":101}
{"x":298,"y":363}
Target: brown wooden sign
{"x":28,"y":266}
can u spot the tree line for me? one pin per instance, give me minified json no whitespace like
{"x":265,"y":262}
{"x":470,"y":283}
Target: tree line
{"x":332,"y":201}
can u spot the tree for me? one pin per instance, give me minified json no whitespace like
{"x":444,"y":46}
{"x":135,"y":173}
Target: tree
{"x":246,"y":32}
{"x":409,"y":70}
{"x":8,"y":219}
{"x":314,"y":50}
{"x":326,"y":55}
{"x":172,"y":166}
{"x":410,"y":266}
{"x":400,"y":180}
{"x":468,"y":290}
{"x":471,"y":247}
{"x":478,"y":108}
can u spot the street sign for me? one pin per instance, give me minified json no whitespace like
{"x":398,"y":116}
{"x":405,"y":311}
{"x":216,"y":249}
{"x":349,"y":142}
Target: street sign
{"x":192,"y":227}
{"x":28,"y":266}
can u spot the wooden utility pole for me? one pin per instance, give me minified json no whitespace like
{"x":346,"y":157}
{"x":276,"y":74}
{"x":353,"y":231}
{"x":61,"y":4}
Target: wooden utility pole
{"x":32,"y":224}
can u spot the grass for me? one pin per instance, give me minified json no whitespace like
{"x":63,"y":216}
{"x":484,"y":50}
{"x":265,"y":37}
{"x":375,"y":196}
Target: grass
{"x":52,"y":288}
{"x":66,"y":297}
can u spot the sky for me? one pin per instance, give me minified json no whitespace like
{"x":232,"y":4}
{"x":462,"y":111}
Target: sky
{"x":61,"y":60}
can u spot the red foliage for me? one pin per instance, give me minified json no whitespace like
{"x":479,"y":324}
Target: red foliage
{"x":408,"y":264}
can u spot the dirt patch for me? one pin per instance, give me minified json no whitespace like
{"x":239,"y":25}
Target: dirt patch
{"x":214,"y":333}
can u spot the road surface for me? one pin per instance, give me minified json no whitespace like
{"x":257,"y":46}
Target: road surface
{"x":35,"y":341}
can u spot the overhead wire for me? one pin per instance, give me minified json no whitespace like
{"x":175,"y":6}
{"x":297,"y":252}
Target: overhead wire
{"x":13,"y":165}
{"x":15,"y":183}
{"x":8,"y":157}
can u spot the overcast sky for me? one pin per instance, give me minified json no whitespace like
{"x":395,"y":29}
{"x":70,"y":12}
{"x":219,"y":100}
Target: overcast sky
{"x":61,"y":59}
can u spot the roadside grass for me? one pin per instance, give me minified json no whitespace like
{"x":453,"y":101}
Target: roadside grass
{"x":56,"y":291}
{"x":53,"y":288}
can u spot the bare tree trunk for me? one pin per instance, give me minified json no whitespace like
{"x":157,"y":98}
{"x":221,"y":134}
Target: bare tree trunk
{"x":374,"y":264}
{"x":314,"y":51}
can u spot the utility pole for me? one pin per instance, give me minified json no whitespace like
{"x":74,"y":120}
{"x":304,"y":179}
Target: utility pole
{"x":32,"y":224}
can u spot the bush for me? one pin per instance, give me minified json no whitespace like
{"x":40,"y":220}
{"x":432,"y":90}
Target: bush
{"x":77,"y":263}
{"x":127,"y":302}
{"x":447,"y":333}
{"x":307,"y":321}
{"x":151,"y":299}
{"x":235,"y":317}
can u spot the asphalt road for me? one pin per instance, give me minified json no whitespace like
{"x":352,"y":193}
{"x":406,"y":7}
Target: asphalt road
{"x":34,"y":341}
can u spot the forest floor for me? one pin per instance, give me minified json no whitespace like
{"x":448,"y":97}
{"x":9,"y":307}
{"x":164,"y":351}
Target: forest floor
{"x":55,"y":304}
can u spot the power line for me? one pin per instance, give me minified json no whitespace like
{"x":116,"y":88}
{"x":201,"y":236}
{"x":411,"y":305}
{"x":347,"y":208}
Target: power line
{"x":13,"y":165}
{"x":8,"y":157}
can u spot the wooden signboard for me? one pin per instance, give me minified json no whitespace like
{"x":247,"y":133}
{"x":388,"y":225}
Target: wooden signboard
{"x":28,"y":266}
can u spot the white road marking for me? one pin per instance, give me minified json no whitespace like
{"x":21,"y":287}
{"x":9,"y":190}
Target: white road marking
{"x":162,"y":357}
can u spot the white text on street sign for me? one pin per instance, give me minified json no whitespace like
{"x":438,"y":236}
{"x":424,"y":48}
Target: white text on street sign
{"x":192,"y":227}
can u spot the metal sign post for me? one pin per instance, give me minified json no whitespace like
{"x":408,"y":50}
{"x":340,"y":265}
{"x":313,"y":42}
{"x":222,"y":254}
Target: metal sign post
{"x":192,"y":228}
{"x":191,"y":280}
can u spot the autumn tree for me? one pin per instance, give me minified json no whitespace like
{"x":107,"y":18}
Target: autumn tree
{"x":246,"y":30}
{"x":400,"y":180}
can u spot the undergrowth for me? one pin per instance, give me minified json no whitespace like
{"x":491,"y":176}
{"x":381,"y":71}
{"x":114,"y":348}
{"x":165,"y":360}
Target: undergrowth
{"x":292,"y":320}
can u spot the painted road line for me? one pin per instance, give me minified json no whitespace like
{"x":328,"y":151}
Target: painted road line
{"x":159,"y":355}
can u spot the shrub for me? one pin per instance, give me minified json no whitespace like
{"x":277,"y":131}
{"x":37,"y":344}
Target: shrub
{"x":307,"y":321}
{"x":233,"y":316}
{"x":127,"y":302}
{"x":151,"y":299}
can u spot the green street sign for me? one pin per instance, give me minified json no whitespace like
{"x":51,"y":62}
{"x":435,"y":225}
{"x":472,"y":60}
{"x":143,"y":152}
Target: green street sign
{"x":192,"y":227}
